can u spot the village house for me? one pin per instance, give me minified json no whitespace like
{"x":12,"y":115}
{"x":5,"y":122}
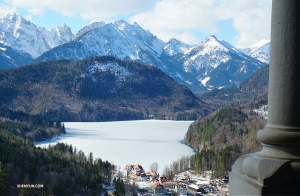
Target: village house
{"x":152,"y":175}
{"x":141,"y":179}
{"x":127,"y":169}
{"x":194,"y":189}
{"x":167,"y":182}
{"x":136,"y":169}
{"x":184,"y":184}
{"x":132,"y":177}
{"x":158,"y":189}
{"x":181,"y":189}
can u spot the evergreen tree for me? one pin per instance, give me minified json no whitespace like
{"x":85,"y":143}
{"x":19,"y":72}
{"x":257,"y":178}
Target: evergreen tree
{"x":3,"y":181}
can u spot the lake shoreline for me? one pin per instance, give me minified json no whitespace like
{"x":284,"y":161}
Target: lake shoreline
{"x":128,"y":142}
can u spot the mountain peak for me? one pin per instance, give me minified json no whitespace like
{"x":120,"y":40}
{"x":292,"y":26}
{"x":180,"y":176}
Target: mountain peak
{"x":260,"y":43}
{"x":24,"y":36}
{"x":214,"y":43}
{"x":213,"y":54}
{"x":212,"y":37}
{"x":175,"y":46}
{"x":90,"y":27}
{"x":15,"y":18}
{"x":12,"y":15}
{"x":65,"y":25}
{"x":121,"y":23}
{"x":212,"y":40}
{"x":259,"y":51}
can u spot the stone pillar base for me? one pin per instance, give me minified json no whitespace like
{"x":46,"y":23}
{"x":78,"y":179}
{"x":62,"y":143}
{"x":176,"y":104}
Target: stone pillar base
{"x":254,"y":175}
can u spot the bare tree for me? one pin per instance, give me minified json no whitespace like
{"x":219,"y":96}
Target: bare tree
{"x":154,"y":167}
{"x":91,"y":158}
{"x":167,"y":171}
{"x":175,"y":166}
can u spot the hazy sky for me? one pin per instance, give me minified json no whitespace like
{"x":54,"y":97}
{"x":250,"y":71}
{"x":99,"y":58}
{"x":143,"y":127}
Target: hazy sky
{"x":239,"y":22}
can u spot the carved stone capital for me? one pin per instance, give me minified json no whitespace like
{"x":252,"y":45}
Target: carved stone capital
{"x":255,"y":175}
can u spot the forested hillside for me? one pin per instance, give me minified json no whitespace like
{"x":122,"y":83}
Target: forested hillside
{"x":223,"y":136}
{"x":58,"y":170}
{"x":32,"y":127}
{"x":253,"y":88}
{"x":98,"y":89}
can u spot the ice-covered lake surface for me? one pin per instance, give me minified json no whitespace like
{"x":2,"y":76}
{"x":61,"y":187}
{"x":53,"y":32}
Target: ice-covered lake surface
{"x":128,"y":142}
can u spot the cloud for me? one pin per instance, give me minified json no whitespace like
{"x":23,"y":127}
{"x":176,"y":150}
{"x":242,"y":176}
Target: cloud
{"x":88,"y":9}
{"x":28,"y":17}
{"x":251,"y":19}
{"x":181,"y":19}
{"x":4,"y":9}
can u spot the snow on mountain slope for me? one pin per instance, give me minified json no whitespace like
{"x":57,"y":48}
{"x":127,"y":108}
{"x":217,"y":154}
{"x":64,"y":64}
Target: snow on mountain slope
{"x":259,"y":51}
{"x":10,"y":58}
{"x":119,"y":39}
{"x":58,"y":35}
{"x":215,"y":64}
{"x":120,"y":72}
{"x":174,"y":46}
{"x":212,"y":63}
{"x":24,"y":36}
{"x":87,"y":28}
{"x":209,"y":54}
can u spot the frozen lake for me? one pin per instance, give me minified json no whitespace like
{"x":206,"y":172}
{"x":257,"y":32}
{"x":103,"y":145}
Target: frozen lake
{"x":128,"y":142}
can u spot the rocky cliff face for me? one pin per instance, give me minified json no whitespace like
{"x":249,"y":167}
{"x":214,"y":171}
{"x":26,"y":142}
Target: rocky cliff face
{"x":24,"y":36}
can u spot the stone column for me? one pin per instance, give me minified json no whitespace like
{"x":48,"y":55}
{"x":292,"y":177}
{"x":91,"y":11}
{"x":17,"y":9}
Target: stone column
{"x":276,"y":169}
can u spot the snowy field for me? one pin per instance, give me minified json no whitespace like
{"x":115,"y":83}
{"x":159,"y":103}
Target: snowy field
{"x":128,"y":142}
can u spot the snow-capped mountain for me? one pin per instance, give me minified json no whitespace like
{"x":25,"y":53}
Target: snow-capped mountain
{"x":208,"y":55}
{"x":119,"y":39}
{"x":87,"y":28}
{"x":175,"y":46}
{"x":212,"y":63}
{"x":217,"y":64}
{"x":10,"y":58}
{"x":259,"y":51}
{"x":24,"y":36}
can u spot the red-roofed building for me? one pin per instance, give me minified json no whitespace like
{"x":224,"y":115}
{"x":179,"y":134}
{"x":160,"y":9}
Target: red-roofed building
{"x":138,"y":169}
{"x":135,"y":169}
{"x":181,"y":189}
{"x":167,"y":182}
{"x":152,"y":175}
{"x":128,"y":168}
{"x":158,"y":189}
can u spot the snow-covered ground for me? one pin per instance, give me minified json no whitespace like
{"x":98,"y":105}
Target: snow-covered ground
{"x":262,"y":111}
{"x":128,"y":142}
{"x":213,"y":186}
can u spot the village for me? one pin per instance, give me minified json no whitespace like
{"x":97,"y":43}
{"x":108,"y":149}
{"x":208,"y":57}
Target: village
{"x":187,"y":183}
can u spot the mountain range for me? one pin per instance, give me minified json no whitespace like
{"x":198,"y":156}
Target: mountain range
{"x":210,"y":64}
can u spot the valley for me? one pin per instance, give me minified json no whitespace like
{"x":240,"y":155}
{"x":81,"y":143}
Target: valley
{"x":120,"y":72}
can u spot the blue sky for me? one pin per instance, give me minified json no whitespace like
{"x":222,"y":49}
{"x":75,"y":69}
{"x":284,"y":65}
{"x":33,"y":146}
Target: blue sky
{"x":239,"y":22}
